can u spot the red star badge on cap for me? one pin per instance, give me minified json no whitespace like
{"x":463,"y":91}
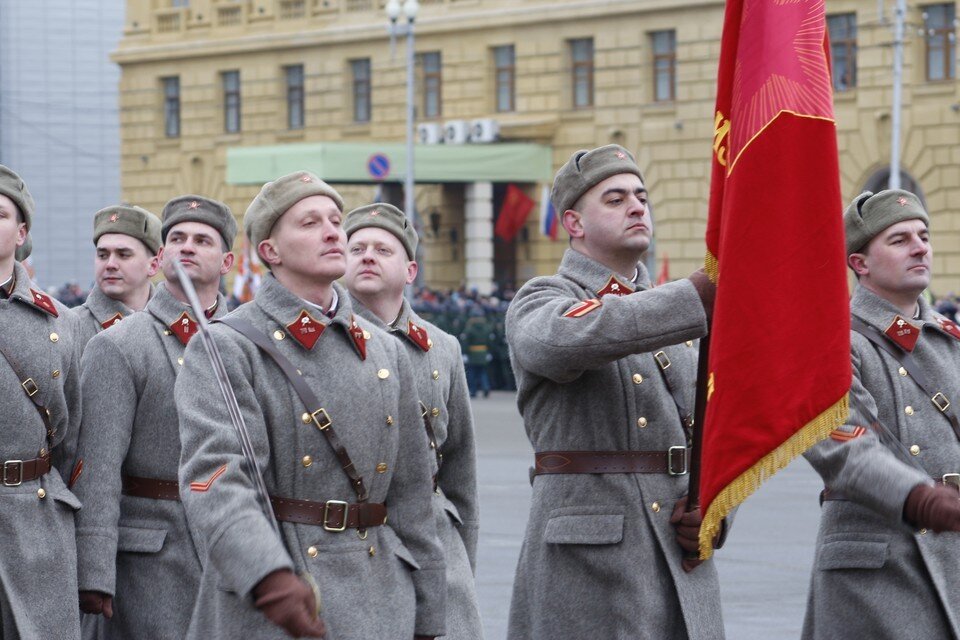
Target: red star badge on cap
{"x":194,"y":205}
{"x":306,"y":329}
{"x":306,"y":178}
{"x":375,"y":212}
{"x":418,"y":335}
{"x":184,"y":327}
{"x":902,"y":201}
{"x":903,"y":333}
{"x":112,"y":320}
{"x":621,"y":155}
{"x":359,"y":340}
{"x":114,"y":218}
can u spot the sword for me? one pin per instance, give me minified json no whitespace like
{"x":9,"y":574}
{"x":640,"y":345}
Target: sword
{"x":253,"y":470}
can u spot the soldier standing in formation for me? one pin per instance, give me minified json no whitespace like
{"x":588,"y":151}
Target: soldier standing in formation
{"x":338,"y":434}
{"x":381,"y":246}
{"x":887,"y":547}
{"x":40,"y":383}
{"x":606,"y":391}
{"x":127,"y":239}
{"x":137,"y":563}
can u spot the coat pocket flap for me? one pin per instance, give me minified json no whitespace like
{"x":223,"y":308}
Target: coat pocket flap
{"x":396,"y":545}
{"x":140,"y":540}
{"x":584,"y":529}
{"x":451,"y":509}
{"x":852,"y":554}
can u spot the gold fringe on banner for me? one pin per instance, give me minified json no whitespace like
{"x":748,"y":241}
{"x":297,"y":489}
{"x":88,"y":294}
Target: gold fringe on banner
{"x":712,"y":267}
{"x":750,"y":480}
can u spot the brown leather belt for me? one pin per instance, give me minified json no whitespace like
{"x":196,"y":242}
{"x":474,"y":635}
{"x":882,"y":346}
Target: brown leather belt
{"x":151,"y":488}
{"x":332,"y":515}
{"x":16,"y":472}
{"x":673,"y":461}
{"x":948,"y":479}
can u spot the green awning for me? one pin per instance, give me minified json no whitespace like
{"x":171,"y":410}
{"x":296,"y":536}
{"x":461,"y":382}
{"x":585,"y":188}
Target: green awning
{"x":367,"y":162}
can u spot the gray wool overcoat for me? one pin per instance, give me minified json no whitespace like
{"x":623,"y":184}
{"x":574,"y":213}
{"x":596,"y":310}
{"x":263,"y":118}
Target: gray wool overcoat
{"x":600,"y":558}
{"x":442,"y":388}
{"x":38,"y":570}
{"x":98,"y":312}
{"x":388,"y":584}
{"x":137,"y":549}
{"x":874,"y":576}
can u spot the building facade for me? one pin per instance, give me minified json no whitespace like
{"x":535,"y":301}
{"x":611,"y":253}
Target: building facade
{"x":59,"y":123}
{"x":217,"y":96}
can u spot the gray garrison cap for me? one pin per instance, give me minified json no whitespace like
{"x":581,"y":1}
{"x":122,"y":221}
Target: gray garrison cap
{"x":276,"y":197}
{"x":387,"y":217}
{"x":132,"y":221}
{"x":870,"y":213}
{"x":12,"y":186}
{"x":191,"y":208}
{"x":585,"y":169}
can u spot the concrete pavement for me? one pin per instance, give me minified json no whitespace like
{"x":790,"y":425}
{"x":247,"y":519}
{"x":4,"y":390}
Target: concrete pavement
{"x":764,"y":566}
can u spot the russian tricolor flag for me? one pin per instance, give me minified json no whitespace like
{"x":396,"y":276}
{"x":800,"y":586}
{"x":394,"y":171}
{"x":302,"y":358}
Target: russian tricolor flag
{"x":549,"y":223}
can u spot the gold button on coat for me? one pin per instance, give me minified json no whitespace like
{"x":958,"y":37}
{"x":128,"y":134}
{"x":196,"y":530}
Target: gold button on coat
{"x":923,"y":532}
{"x":383,"y":374}
{"x":656,"y":507}
{"x":366,"y":334}
{"x":180,"y":361}
{"x":389,"y":420}
{"x":436,"y":375}
{"x":278,"y":335}
{"x":908,"y":410}
{"x":306,"y":461}
{"x":372,"y":551}
{"x":312,"y":552}
{"x":915,"y":450}
{"x":902,"y":371}
{"x":306,"y":418}
{"x":637,"y":378}
{"x":41,"y":493}
{"x":641,"y":422}
{"x":54,"y":337}
{"x":689,"y":343}
{"x":434,"y":412}
{"x":429,"y":343}
{"x":56,"y":373}
{"x":382,"y":467}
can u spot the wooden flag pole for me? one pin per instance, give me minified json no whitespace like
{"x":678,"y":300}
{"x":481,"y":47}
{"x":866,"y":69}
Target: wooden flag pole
{"x":696,"y":445}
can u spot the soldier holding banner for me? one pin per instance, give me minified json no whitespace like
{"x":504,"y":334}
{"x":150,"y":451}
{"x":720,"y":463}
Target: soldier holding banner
{"x":887,"y":564}
{"x":605,"y":368}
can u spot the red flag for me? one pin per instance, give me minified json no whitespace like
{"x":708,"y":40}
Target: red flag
{"x":779,"y":366}
{"x":516,"y":207}
{"x":664,"y":276}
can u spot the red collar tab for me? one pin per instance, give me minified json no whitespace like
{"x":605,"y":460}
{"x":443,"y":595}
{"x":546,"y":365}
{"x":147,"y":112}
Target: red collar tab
{"x":112,"y":320}
{"x":419,"y":336}
{"x":359,"y":337}
{"x":949,"y":326}
{"x":306,"y":329}
{"x":184,"y":327}
{"x":44,"y":302}
{"x":903,"y":333}
{"x":614,"y":288}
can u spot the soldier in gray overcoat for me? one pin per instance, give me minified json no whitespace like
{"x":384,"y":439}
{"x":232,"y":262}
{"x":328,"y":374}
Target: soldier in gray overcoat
{"x":348,"y":479}
{"x":887,"y":562}
{"x":137,"y":562}
{"x":127,"y":240}
{"x":40,"y":384}
{"x":606,"y":371}
{"x":381,"y":246}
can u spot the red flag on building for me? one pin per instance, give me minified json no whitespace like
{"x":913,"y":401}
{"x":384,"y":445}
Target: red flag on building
{"x":516,"y":207}
{"x":779,"y":366}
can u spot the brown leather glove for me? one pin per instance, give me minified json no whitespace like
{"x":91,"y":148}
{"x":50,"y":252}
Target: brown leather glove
{"x":705,"y":289}
{"x":687,"y":525}
{"x":289,"y":603}
{"x":96,"y":602}
{"x":936,"y":508}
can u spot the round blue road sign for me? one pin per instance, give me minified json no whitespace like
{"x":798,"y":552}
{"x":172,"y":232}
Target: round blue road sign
{"x":379,"y":166}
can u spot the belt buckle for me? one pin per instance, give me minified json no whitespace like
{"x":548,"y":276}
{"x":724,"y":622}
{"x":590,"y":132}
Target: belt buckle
{"x":322,"y":419}
{"x":940,"y":401}
{"x":952,"y":479}
{"x":16,"y":464}
{"x":662,"y":360}
{"x":30,"y":387}
{"x":326,"y":511}
{"x":683,"y":458}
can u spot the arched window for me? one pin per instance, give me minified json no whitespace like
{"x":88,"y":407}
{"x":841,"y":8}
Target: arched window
{"x":880,"y":180}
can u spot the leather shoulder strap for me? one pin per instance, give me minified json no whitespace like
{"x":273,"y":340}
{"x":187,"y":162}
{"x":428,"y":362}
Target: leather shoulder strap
{"x":29,"y":387}
{"x":686,"y":418}
{"x":432,"y":436}
{"x":315,"y":413}
{"x":909,"y":363}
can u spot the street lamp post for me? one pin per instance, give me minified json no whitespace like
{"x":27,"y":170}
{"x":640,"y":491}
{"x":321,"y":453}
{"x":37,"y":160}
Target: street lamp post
{"x":409,"y":8}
